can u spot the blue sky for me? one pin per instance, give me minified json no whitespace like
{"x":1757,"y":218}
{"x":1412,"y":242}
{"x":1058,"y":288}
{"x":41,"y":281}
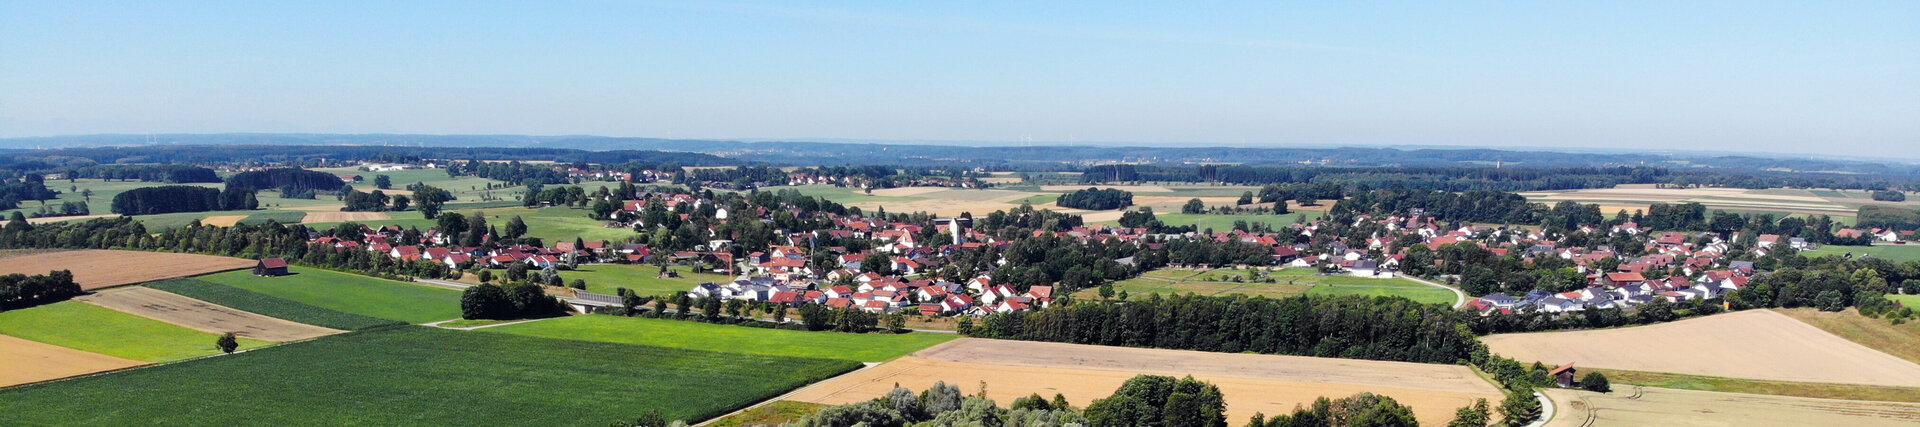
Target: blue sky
{"x":1805,"y":77}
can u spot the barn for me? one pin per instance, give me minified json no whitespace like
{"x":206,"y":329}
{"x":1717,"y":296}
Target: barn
{"x":270,"y":267}
{"x":1563,"y":375}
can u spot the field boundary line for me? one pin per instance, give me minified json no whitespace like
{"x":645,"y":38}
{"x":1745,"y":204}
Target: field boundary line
{"x":1459,"y":298}
{"x":864,"y":366}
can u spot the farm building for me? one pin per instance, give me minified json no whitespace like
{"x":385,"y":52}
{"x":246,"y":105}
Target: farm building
{"x":270,"y":267}
{"x":1563,"y":375}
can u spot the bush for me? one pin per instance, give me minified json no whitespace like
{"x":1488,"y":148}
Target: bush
{"x":1595,"y":381}
{"x":227,"y":343}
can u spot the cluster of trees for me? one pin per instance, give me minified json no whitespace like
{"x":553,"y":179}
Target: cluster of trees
{"x":64,"y":209}
{"x":30,"y":187}
{"x":183,"y":198}
{"x":945,"y":405}
{"x":1096,"y":199}
{"x":21,"y":291}
{"x":521,"y":301}
{"x":286,"y":177}
{"x":1152,"y":400}
{"x":1379,"y":328}
{"x":270,"y":239}
{"x":1890,"y":217}
{"x":168,"y":173}
{"x":738,"y":178}
{"x":1365,"y":409}
{"x":376,"y":201}
{"x":1890,"y":196}
{"x":512,"y":172}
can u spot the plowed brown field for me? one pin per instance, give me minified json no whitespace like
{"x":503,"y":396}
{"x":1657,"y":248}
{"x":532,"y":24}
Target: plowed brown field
{"x":23,"y":361}
{"x":201,"y":315}
{"x":96,"y":269}
{"x":1252,"y":383}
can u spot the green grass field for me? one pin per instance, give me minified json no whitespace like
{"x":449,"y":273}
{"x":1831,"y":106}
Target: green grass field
{"x":82,"y":326}
{"x":842,"y":194}
{"x":1897,"y":253}
{"x":639,"y":278}
{"x":268,"y":305}
{"x":101,"y":202}
{"x":1288,"y":282}
{"x":875,"y":347}
{"x":421,"y":376}
{"x":554,"y":224}
{"x":349,"y":293}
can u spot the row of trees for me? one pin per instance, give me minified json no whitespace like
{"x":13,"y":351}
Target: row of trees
{"x":1096,"y":199}
{"x":168,"y":173}
{"x":182,"y":198}
{"x":521,"y":301}
{"x":21,"y":291}
{"x":1381,"y":328}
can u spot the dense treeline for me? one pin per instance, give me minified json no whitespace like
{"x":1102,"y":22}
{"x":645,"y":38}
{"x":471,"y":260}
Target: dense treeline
{"x":182,"y":198}
{"x":739,"y":178}
{"x":1096,"y":199}
{"x":1888,"y":217}
{"x":1890,"y":196}
{"x":271,"y":239}
{"x":21,"y":291}
{"x":296,"y":178}
{"x":1354,"y":327}
{"x":1469,"y":206}
{"x":513,"y":172}
{"x":168,"y":173}
{"x":1492,"y":178}
{"x":252,"y":149}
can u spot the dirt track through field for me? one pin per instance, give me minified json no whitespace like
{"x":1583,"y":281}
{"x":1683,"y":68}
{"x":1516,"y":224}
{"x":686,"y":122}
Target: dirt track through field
{"x":319,"y":217}
{"x":1669,"y":407}
{"x":1755,"y":344}
{"x":23,"y":361}
{"x":96,"y":269}
{"x":1252,"y":383}
{"x":203,"y":316}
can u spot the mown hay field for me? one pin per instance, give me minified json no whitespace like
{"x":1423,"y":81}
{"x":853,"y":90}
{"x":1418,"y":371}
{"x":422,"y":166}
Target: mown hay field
{"x":1756,"y":344}
{"x":1251,"y":383}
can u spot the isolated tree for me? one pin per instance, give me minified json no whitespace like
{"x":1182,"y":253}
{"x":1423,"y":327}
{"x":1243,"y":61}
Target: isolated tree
{"x":580,"y":284}
{"x":400,"y":202}
{"x":1595,"y":381}
{"x":486,"y":276}
{"x":227,"y":343}
{"x":1246,"y":198}
{"x":1194,"y":206}
{"x":517,"y":272}
{"x":516,"y":227}
{"x":897,"y":322}
{"x":383,"y":182}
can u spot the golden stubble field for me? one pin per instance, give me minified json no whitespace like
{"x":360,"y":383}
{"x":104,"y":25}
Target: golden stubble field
{"x":1669,"y":407}
{"x":1252,"y":383}
{"x":24,"y":361}
{"x":95,"y":269}
{"x":1753,"y":344}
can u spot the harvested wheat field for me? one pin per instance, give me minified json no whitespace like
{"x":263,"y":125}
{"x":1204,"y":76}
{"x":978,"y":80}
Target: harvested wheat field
{"x":1669,"y":407}
{"x":319,"y":217}
{"x":222,"y":220}
{"x":1252,"y":383}
{"x":96,"y":269}
{"x":201,"y":315}
{"x":907,"y":191}
{"x":1754,"y":344}
{"x":24,"y":361}
{"x":47,"y":219}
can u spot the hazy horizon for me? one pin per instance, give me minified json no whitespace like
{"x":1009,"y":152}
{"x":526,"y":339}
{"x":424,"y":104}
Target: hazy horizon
{"x":1827,"y":79}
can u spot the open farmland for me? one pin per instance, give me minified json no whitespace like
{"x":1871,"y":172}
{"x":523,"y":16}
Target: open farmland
{"x":351,"y":293}
{"x":639,"y":278}
{"x":264,"y":304}
{"x":95,"y":269}
{"x":1758,"y":344}
{"x":870,"y":347}
{"x":327,"y":217}
{"x":23,"y":361}
{"x":87,"y":327}
{"x":201,"y":315}
{"x":1669,"y":407}
{"x":421,"y":376}
{"x":1251,"y":382}
{"x":1638,"y":197}
{"x":1288,"y":282}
